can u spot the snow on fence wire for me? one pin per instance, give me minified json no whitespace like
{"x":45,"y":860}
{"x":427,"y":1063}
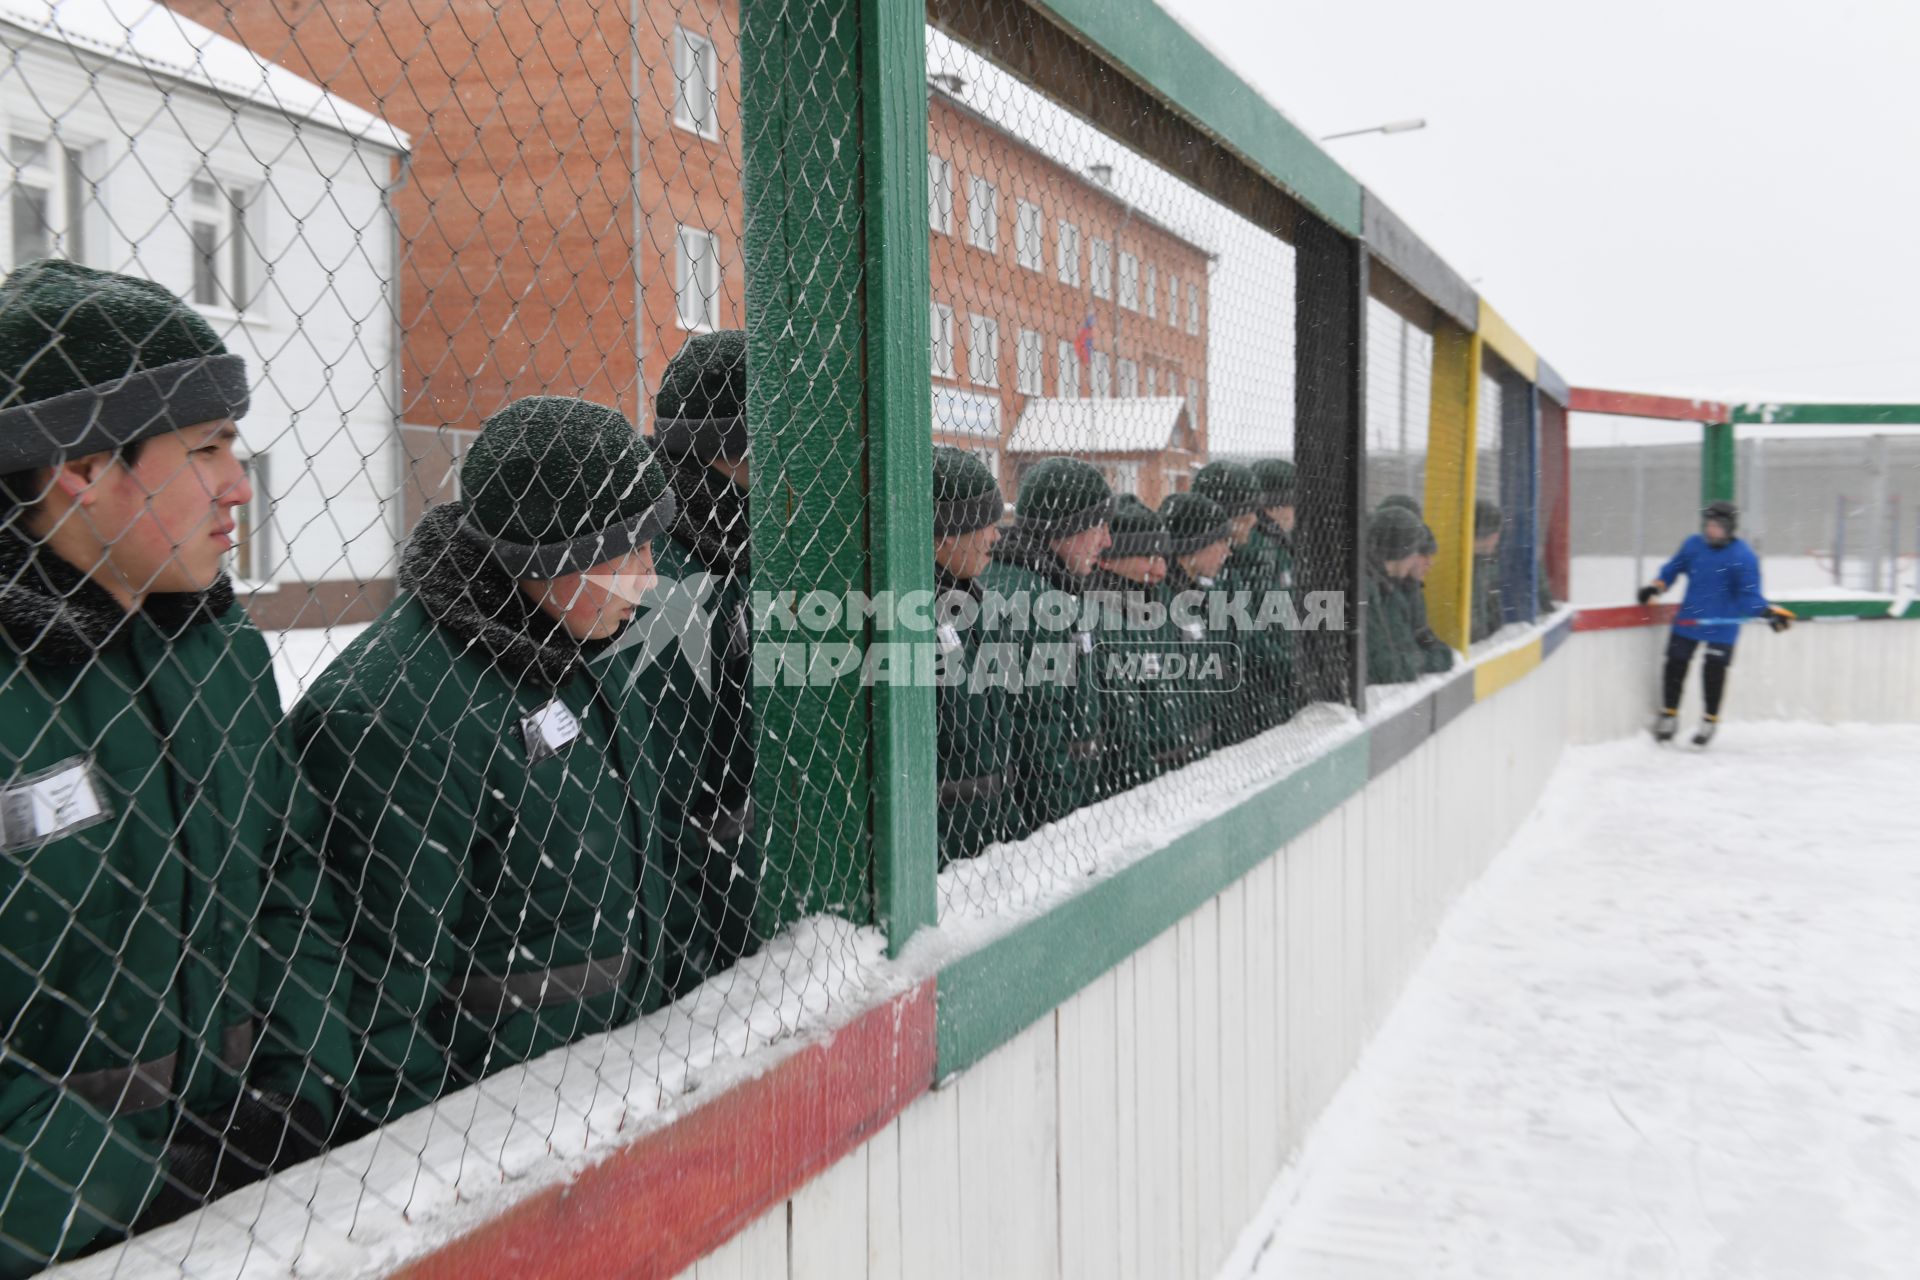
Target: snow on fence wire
{"x":613,"y":622}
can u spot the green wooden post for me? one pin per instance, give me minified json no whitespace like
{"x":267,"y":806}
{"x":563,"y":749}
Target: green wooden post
{"x":834,"y":122}
{"x":1716,"y":462}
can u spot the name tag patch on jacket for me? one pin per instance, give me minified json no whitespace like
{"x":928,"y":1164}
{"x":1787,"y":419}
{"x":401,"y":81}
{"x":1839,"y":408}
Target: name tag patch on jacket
{"x":547,"y":730}
{"x":54,"y":802}
{"x":948,"y":636}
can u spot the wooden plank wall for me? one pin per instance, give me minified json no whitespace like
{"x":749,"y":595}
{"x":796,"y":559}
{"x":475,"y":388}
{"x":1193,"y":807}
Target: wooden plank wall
{"x":1134,"y":1130}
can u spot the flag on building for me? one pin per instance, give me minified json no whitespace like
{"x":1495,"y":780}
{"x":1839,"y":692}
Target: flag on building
{"x":1083,"y":341}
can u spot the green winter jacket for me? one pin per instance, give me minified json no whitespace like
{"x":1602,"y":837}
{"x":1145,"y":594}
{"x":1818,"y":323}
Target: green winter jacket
{"x":1263,"y":565}
{"x":1434,"y":655}
{"x":1055,"y":758}
{"x":706,"y":805}
{"x":975,"y":723}
{"x":155,"y":913}
{"x":1487,"y":613}
{"x":1134,"y":707}
{"x":506,"y":885}
{"x":1393,"y":655}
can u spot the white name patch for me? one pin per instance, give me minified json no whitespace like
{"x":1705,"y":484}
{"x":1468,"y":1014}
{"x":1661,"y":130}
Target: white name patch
{"x":54,"y":802}
{"x":547,"y":730}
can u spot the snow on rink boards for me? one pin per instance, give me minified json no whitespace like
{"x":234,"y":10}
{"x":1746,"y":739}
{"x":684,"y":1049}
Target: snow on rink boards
{"x":1671,"y":1033}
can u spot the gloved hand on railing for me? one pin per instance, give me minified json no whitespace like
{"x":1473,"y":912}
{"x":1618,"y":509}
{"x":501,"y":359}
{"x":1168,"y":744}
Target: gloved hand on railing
{"x":1646,"y":594}
{"x":1779,"y":617}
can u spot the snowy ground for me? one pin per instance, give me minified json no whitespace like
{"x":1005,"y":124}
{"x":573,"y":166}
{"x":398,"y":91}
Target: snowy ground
{"x":1673,"y":1032}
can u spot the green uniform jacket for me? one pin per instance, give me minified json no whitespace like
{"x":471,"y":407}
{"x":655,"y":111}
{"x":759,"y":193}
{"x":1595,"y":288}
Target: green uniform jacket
{"x":507,"y":890}
{"x":975,"y":721}
{"x":168,"y":918}
{"x":1393,"y":655}
{"x":1134,"y":708}
{"x":1487,"y":613}
{"x":1054,"y":762}
{"x":1434,"y":654}
{"x":706,"y":809}
{"x":1264,"y":564}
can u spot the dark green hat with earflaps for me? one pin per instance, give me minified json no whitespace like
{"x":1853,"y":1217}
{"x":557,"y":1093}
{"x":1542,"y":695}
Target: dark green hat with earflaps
{"x":1486,"y":517}
{"x":701,"y":408}
{"x":1276,"y":480}
{"x":1229,"y":484}
{"x":966,"y":497}
{"x":1404,"y":501}
{"x":1393,"y":533}
{"x":555,"y":485}
{"x":1194,"y":521}
{"x":92,"y":360}
{"x":1137,"y":530}
{"x":1060,"y":497}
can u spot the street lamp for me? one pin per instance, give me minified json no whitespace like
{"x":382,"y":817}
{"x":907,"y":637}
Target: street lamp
{"x":1392,"y":126}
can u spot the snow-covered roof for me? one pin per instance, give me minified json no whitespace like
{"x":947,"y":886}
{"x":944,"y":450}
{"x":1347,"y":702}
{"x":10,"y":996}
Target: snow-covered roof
{"x":1138,"y":425}
{"x":152,"y":38}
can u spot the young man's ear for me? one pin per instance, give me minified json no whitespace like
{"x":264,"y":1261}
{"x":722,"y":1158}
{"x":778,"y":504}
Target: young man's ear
{"x":75,"y":477}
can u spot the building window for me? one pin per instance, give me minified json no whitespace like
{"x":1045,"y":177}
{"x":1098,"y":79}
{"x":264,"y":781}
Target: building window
{"x":250,"y":559}
{"x":1067,"y":383}
{"x":940,"y":195}
{"x":1152,"y":292}
{"x":1102,"y":269}
{"x":1193,"y":307}
{"x":696,"y":69}
{"x":1193,"y":397}
{"x":222,"y":252}
{"x":983,"y":215}
{"x":1030,"y":364}
{"x":1153,"y":382}
{"x":1123,"y":477}
{"x":1129,"y":281}
{"x":1066,"y":252}
{"x":48,"y":200}
{"x":940,"y":322}
{"x":983,"y":351}
{"x":1029,"y":239}
{"x":1100,"y":377}
{"x":696,"y":279}
{"x":1129,"y":379}
{"x":1173,"y":299}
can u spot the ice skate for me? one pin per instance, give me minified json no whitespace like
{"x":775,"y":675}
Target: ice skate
{"x":1665,"y":726}
{"x":1704,"y":734}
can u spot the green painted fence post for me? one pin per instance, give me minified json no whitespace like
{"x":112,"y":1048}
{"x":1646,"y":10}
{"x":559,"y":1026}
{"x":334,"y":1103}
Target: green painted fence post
{"x":1716,"y":462}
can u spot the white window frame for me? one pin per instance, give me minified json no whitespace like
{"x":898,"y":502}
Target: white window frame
{"x":1153,"y":382}
{"x":58,"y":173}
{"x":1029,"y":236}
{"x":696,"y":77}
{"x":1123,"y":477}
{"x":1067,"y":380}
{"x":1030,"y":364}
{"x":1151,"y":292}
{"x":1100,"y":268}
{"x":1100,"y":376}
{"x":252,"y":536}
{"x":940,"y":194}
{"x":1066,"y":251}
{"x":1193,"y":397}
{"x":983,"y":226}
{"x":1129,"y":282}
{"x":1173,"y":299}
{"x":1193,"y":307}
{"x":983,"y":350}
{"x":940,"y":322}
{"x":696,"y":279}
{"x":1129,"y":379}
{"x":223,"y":272}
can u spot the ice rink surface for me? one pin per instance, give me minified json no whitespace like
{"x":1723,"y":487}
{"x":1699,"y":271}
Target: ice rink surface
{"x":1674,"y":1032}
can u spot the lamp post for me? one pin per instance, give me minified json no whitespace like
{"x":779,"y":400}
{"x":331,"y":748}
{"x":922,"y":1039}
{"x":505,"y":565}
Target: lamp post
{"x":1392,"y":126}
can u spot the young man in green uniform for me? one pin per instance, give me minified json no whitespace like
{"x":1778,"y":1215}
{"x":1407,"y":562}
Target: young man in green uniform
{"x":1488,"y":613}
{"x":1135,"y":720}
{"x":1434,"y":655}
{"x":169,"y":972}
{"x":1037,"y":578}
{"x":492,"y":788}
{"x":975,"y":725}
{"x":1199,"y":540}
{"x":1252,"y":572}
{"x":1393,"y":550}
{"x":707,"y":816}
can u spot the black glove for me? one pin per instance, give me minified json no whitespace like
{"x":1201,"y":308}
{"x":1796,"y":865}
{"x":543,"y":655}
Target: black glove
{"x":1779,"y":618}
{"x":269,"y":1132}
{"x":192,"y":1169}
{"x":1646,"y":594}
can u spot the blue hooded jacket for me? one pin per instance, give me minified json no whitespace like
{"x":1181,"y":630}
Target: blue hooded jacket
{"x":1723,"y":587}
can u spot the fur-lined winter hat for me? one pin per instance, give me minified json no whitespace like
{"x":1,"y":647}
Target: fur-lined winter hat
{"x":1137,"y":529}
{"x":1060,"y":497}
{"x":92,"y":360}
{"x":701,"y":408}
{"x":1486,"y":517}
{"x":1276,"y":477}
{"x":555,"y":485}
{"x":966,"y":497}
{"x":1194,"y":522}
{"x":1229,"y":484}
{"x":1393,"y":533}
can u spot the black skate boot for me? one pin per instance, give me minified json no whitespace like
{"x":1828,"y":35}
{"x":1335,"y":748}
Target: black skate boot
{"x":1704,"y":734}
{"x":1666,"y":726}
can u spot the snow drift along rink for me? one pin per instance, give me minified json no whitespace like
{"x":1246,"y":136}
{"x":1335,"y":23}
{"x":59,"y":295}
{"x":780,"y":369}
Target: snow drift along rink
{"x":1675,"y":1031}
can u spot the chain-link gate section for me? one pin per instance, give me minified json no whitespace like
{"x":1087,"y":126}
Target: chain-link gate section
{"x":461,"y":838}
{"x":1146,"y":627}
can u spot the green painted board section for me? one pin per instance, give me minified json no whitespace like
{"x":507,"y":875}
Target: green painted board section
{"x":1158,"y":53}
{"x":804,"y":255}
{"x":1912,"y":610}
{"x":1839,"y":608}
{"x":991,"y":995}
{"x":893,"y":151}
{"x":1716,"y":462}
{"x":1851,"y":415}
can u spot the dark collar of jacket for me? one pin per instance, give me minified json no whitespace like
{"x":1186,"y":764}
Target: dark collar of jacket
{"x":1028,"y":550}
{"x":1107,"y":580}
{"x":944,"y":582}
{"x":472,"y":598}
{"x":1269,"y":526}
{"x":53,"y":613}
{"x":712,"y":524}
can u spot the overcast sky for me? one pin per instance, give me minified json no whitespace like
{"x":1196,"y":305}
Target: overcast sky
{"x":1707,"y":197}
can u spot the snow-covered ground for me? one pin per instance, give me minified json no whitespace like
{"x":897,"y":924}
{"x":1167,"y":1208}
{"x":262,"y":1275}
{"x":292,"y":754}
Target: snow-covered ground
{"x":1675,"y":1031}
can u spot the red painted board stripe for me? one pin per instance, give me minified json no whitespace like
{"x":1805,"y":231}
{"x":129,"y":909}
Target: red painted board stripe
{"x":1635,"y":404}
{"x":652,"y":1209}
{"x":1615,"y":617}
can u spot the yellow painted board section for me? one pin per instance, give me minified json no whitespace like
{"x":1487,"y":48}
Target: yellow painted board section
{"x":1448,"y":503}
{"x":1495,"y":674}
{"x":1507,"y":343}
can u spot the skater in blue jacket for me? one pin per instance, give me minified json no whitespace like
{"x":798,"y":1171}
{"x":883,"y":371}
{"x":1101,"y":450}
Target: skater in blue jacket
{"x":1723,"y":590}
